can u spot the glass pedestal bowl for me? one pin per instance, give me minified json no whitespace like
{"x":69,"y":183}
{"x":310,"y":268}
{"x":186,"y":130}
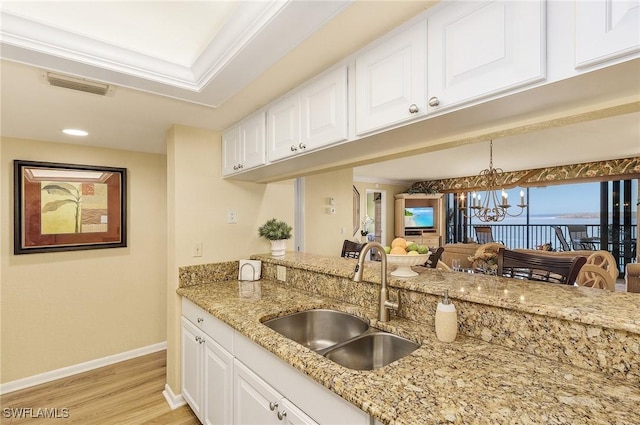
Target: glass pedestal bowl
{"x":404,"y":263}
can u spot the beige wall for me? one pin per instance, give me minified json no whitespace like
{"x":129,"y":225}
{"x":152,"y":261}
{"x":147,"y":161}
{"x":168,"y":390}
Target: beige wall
{"x":62,"y":309}
{"x":198,"y":200}
{"x":325,"y":232}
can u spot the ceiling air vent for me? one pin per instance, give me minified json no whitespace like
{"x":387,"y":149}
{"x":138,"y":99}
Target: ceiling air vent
{"x":79,"y":84}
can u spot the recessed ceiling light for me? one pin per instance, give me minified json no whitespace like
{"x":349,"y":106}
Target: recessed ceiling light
{"x":75,"y":132}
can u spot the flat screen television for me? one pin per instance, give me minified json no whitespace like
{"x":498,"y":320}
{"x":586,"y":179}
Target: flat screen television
{"x":418,"y":218}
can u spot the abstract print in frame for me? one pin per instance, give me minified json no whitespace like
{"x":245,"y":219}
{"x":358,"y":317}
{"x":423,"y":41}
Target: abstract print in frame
{"x":68,"y":207}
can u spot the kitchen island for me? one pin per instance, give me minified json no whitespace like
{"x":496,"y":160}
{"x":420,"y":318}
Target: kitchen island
{"x":488,"y":375}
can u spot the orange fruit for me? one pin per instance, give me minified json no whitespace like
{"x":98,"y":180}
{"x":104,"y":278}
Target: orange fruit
{"x":398,"y":250}
{"x":399,"y":242}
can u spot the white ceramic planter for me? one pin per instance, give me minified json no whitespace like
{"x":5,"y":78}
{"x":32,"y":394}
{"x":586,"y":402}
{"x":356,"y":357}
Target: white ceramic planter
{"x":278,"y":247}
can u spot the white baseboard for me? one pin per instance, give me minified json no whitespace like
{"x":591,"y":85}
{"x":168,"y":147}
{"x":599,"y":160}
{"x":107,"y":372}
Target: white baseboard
{"x":79,"y":368}
{"x":174,"y":401}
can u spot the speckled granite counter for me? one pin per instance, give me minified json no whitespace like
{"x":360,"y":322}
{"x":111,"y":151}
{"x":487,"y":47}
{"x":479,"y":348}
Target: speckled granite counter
{"x":468,"y":381}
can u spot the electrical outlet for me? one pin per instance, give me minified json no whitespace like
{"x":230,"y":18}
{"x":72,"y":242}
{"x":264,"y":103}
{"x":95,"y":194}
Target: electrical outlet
{"x":281,"y":273}
{"x":197,"y":249}
{"x":231,"y":217}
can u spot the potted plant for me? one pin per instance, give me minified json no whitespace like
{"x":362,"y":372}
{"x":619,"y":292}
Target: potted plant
{"x":277,"y":232}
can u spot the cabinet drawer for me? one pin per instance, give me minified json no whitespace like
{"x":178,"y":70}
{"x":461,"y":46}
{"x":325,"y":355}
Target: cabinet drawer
{"x":220,"y":331}
{"x":431,"y":241}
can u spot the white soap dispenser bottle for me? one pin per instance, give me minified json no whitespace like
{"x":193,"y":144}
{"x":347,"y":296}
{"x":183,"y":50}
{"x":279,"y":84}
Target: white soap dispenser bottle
{"x":446,"y":320}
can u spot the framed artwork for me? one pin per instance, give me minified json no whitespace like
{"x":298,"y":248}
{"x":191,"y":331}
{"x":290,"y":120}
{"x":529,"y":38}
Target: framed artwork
{"x":356,"y":210}
{"x":67,"y":207}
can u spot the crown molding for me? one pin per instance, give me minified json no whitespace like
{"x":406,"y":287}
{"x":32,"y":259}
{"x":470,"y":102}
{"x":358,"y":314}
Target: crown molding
{"x":248,"y":43}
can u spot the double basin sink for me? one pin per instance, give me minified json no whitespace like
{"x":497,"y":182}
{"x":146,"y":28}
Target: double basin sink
{"x":343,"y":338}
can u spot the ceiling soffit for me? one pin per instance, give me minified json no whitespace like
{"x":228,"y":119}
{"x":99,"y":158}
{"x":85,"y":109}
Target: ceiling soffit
{"x":251,"y":38}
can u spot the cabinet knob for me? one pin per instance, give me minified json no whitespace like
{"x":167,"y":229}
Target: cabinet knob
{"x":200,"y":320}
{"x":240,"y":166}
{"x":414,"y":108}
{"x":273,"y":406}
{"x":235,"y":167}
{"x":281,"y":415}
{"x":434,"y":101}
{"x":293,"y":148}
{"x":302,"y":146}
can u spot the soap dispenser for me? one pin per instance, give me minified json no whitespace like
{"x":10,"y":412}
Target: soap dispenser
{"x":446,"y":319}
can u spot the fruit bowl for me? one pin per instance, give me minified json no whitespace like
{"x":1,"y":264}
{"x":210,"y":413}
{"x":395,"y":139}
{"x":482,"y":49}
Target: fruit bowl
{"x":404,"y":263}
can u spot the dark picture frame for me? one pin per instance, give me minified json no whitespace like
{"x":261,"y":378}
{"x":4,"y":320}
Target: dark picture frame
{"x":68,"y":207}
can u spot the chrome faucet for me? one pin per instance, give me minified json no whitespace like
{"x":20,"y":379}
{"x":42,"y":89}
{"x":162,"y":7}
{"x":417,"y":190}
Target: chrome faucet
{"x":384,"y":304}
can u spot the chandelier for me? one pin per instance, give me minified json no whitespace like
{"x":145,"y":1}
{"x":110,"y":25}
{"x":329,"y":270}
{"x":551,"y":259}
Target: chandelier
{"x":491,"y":208}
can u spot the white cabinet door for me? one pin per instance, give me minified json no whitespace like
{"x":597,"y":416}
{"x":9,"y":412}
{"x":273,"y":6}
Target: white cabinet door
{"x":391,"y":80}
{"x":291,"y":415}
{"x":283,"y":137}
{"x":243,"y":145}
{"x":255,"y":402}
{"x":477,"y":49}
{"x":323,"y":110}
{"x":605,"y":30}
{"x":192,"y":366}
{"x":218,"y":384}
{"x":252,"y":141}
{"x":231,"y":151}
{"x":258,"y":403}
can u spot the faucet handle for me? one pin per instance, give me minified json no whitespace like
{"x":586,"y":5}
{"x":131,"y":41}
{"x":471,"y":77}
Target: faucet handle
{"x":393,"y":305}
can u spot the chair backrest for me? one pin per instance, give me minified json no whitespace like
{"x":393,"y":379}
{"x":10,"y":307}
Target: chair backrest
{"x":595,"y":277}
{"x":350,"y":249}
{"x":605,"y":261}
{"x":577,"y":231}
{"x":483,"y":234}
{"x":563,"y":242}
{"x":546,"y":268}
{"x":433,"y":259}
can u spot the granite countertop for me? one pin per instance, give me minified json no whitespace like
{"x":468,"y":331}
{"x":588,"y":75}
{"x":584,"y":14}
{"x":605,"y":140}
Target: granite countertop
{"x":616,"y":310}
{"x":467,"y":381}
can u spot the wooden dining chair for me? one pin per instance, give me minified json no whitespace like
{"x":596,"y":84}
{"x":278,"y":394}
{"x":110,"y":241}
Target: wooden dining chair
{"x":540,"y":267}
{"x":350,"y":249}
{"x":600,"y":271}
{"x":433,"y":259}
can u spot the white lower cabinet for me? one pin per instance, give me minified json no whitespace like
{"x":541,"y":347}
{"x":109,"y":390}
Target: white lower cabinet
{"x":258,"y":403}
{"x":228,"y":379}
{"x":207,"y":376}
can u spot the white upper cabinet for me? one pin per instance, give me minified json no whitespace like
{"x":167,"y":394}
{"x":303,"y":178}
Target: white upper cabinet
{"x":606,"y":30}
{"x":391,"y":80}
{"x":477,"y":49}
{"x":311,"y":117}
{"x":243,"y":145}
{"x":323,"y":107}
{"x":283,"y":128}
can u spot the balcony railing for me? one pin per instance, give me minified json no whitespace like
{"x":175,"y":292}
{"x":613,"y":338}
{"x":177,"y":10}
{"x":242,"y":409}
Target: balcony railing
{"x":516,"y":236}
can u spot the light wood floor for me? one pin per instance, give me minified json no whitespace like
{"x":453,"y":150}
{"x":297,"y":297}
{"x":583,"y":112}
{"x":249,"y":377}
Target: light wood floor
{"x":128,"y":393}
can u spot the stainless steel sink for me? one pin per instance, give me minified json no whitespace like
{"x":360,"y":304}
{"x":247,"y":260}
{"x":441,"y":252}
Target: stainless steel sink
{"x":320,"y":328}
{"x":371,"y":351}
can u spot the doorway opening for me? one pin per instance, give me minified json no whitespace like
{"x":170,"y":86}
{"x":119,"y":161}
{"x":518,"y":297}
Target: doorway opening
{"x":376,"y":211}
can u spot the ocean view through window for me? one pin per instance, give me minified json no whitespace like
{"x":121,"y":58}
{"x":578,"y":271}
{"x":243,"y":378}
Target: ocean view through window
{"x":608,"y":210}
